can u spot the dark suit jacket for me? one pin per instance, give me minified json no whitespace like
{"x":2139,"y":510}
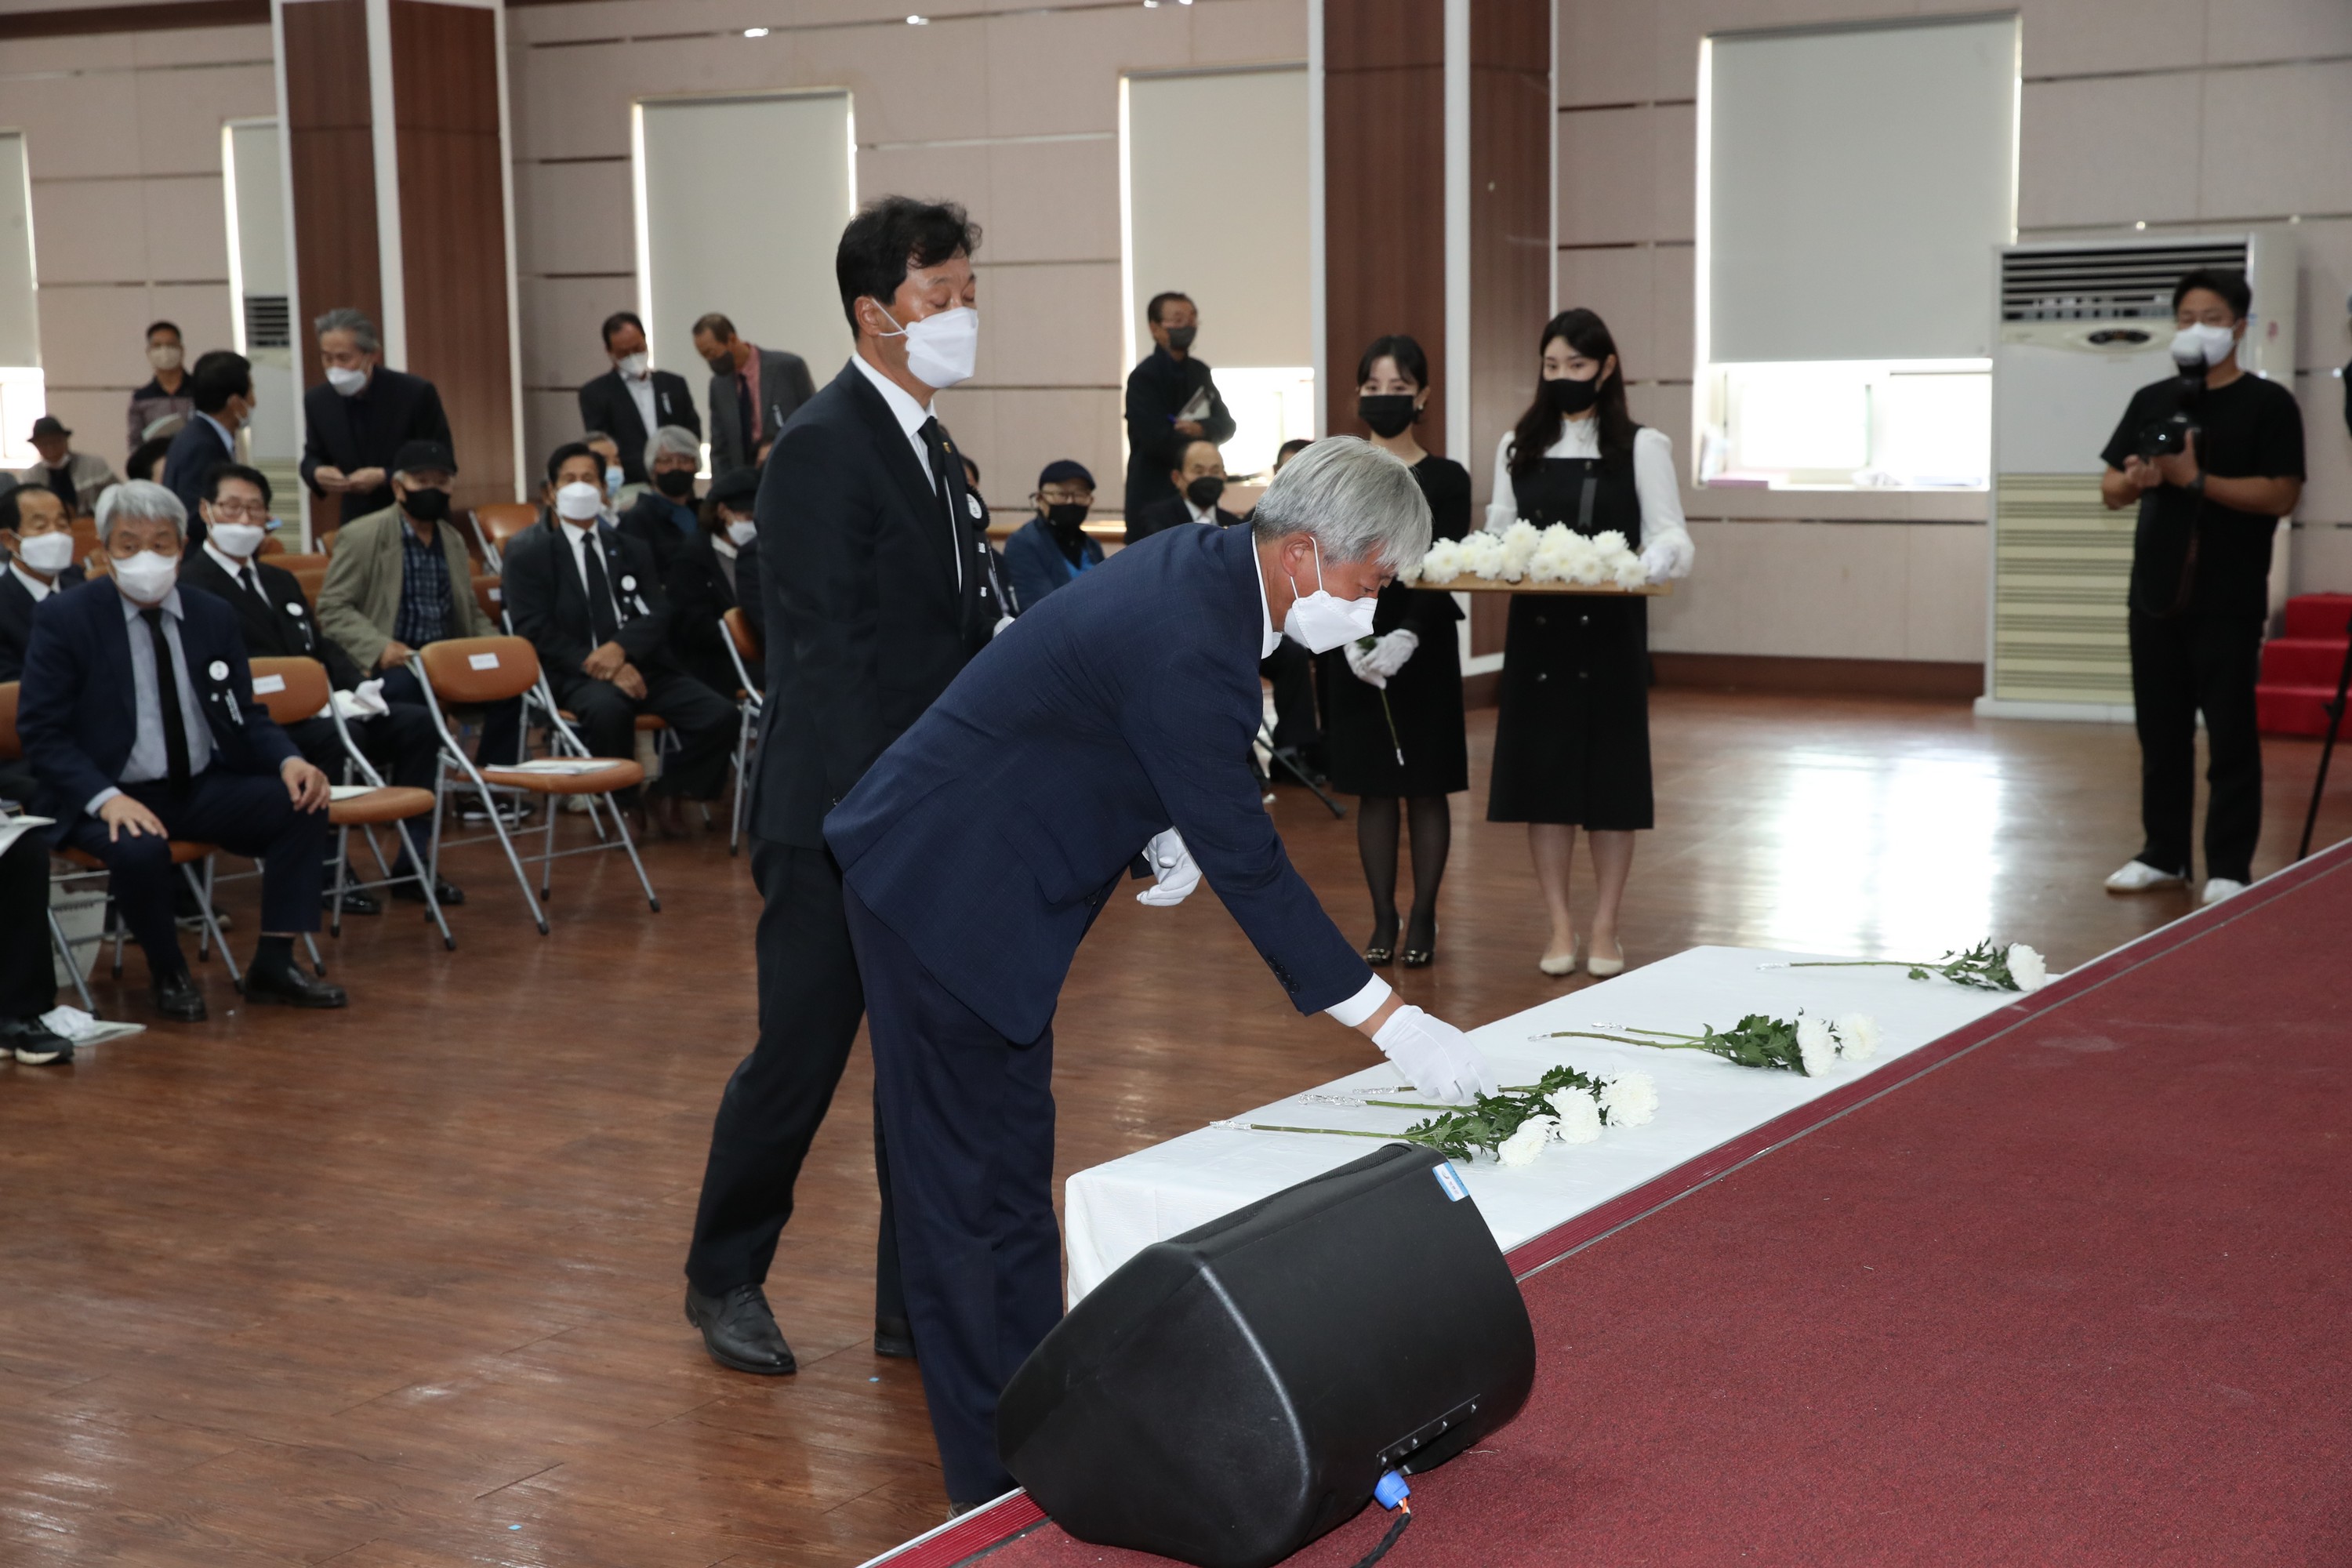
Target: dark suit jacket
{"x":1157,"y":390}
{"x":606,"y":405}
{"x":78,"y":709}
{"x":785,"y":386}
{"x":699,"y":594}
{"x":1034,"y":562}
{"x":16,"y":607}
{"x":652,"y":518}
{"x":368,"y":431}
{"x":865,"y":626}
{"x":285,"y":627}
{"x":549,"y":607}
{"x":990,"y":835}
{"x":1164,"y":515}
{"x":192,"y":453}
{"x":754,"y":600}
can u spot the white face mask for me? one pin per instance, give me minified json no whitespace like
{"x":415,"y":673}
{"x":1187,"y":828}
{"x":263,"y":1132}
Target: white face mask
{"x":237,"y":541}
{"x":2202,"y":342}
{"x":1321,"y":622}
{"x":346,"y":382}
{"x":47,"y":552}
{"x":147,"y":577}
{"x":579,"y":501}
{"x":741,"y":532}
{"x":164,"y":356}
{"x":632,"y":365}
{"x":942,"y":350}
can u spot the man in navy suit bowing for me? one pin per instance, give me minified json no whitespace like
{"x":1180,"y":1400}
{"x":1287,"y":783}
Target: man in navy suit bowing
{"x":1115,"y":715}
{"x":879,"y":586}
{"x":138,"y":716}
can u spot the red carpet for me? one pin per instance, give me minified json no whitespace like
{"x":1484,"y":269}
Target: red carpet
{"x":2071,"y":1286}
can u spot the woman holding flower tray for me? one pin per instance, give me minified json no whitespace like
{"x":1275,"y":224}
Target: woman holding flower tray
{"x":1393,"y":702}
{"x":1572,"y":737}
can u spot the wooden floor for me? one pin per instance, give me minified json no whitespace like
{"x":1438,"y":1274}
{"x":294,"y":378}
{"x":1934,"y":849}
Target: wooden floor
{"x":402,"y":1285}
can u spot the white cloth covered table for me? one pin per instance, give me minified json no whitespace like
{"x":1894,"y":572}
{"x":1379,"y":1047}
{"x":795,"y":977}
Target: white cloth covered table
{"x":1115,"y":1210}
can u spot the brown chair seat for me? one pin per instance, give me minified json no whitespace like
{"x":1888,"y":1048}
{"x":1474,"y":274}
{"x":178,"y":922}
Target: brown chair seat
{"x":614,"y":774}
{"x":652,"y":721}
{"x":393,"y":803}
{"x":184,"y":853}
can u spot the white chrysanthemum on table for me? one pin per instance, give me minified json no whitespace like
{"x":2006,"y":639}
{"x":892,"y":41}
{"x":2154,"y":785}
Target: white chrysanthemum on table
{"x":1579,"y":1121}
{"x":2027,"y":968}
{"x":1524,"y":553}
{"x":1631,"y":1099}
{"x":1857,"y":1036}
{"x":1442,"y":564}
{"x":1522,"y":1146}
{"x":1816,"y":1045}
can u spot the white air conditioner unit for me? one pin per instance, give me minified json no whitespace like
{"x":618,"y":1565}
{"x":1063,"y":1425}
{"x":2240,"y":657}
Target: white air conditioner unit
{"x":2083,"y":325}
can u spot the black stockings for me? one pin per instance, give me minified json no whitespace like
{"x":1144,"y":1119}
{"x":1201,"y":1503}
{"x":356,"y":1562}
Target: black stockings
{"x":1376,"y":841}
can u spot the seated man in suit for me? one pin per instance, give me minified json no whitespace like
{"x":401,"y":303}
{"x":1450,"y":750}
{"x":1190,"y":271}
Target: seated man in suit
{"x":1200,"y":480}
{"x":223,"y":384}
{"x":274,"y":618}
{"x":356,"y":421}
{"x":138,"y":715}
{"x":663,"y":517}
{"x":400,"y":578}
{"x":752,"y":391}
{"x":707,"y":577}
{"x":40,"y":537}
{"x":590,"y":599}
{"x":632,"y":400}
{"x":980,"y":849}
{"x":1053,"y":548}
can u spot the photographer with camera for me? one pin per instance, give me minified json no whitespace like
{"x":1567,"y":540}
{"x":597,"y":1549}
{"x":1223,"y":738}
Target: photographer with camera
{"x":2214,"y":457}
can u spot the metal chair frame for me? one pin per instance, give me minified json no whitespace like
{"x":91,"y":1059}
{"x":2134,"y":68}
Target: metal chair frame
{"x":747,"y":737}
{"x":355,"y":760}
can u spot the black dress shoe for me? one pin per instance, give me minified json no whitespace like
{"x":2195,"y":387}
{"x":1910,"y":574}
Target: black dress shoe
{"x":356,"y":901}
{"x":34,"y":1043}
{"x":895,"y":1338}
{"x":445,"y":893}
{"x":290,"y":986}
{"x":740,"y":1331}
{"x":177,"y":998}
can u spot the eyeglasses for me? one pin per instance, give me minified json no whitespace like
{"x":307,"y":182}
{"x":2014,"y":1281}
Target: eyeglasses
{"x":242,"y":511}
{"x":1057,"y":497}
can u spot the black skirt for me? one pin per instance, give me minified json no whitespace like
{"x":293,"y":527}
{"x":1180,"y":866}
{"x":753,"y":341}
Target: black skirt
{"x":1425,"y":700}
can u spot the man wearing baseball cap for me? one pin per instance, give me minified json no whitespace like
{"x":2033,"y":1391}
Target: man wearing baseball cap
{"x":1054,"y":548}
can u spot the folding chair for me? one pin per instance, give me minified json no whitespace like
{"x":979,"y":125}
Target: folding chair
{"x":742,"y":644}
{"x":297,"y":688}
{"x":11,"y":748}
{"x":480,"y":670}
{"x":497,"y":522}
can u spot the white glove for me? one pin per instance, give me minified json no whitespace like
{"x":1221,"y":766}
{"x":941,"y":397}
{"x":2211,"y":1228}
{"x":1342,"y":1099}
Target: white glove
{"x":1359,"y":664}
{"x":1388,"y":654}
{"x":1668,"y":555}
{"x":1177,"y":872}
{"x":1437,"y":1057}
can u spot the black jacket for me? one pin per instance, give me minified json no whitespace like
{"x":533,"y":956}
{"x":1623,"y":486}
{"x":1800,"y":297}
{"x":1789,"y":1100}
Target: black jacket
{"x":368,"y":431}
{"x":1157,"y":390}
{"x":195,"y":451}
{"x":16,"y":607}
{"x":1162,"y":515}
{"x":285,"y":627}
{"x":549,"y":607}
{"x":865,"y":624}
{"x":606,"y":405}
{"x":784,"y":387}
{"x":652,"y":521}
{"x":699,"y":595}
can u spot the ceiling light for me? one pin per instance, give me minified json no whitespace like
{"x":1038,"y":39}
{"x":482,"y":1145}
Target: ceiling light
{"x":755,"y":32}
{"x":919,"y":21}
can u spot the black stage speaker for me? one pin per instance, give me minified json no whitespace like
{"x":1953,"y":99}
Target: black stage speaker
{"x":1230,"y":1394}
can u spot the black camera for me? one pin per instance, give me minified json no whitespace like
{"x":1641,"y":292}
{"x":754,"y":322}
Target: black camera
{"x":2169,"y":437}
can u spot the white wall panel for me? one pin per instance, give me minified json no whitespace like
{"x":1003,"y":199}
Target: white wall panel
{"x":2264,"y":132}
{"x":20,"y":322}
{"x":2087,"y":147}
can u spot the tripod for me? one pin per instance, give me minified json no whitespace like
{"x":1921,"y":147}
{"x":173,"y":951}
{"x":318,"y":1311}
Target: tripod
{"x":1290,"y":761}
{"x":2334,"y":723}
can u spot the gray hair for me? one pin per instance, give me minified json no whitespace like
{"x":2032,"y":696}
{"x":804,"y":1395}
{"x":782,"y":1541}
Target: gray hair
{"x":1356,"y":500}
{"x":142,"y":498}
{"x":344,"y":318}
{"x":676,"y":440}
{"x":598,"y":438}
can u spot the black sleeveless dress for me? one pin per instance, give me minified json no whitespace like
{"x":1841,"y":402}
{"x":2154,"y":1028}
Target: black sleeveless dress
{"x":1572,"y":737}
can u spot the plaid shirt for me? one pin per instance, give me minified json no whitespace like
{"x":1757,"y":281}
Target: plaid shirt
{"x":424,"y":605}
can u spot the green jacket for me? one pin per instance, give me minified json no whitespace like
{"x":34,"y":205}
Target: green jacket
{"x":360,"y":602}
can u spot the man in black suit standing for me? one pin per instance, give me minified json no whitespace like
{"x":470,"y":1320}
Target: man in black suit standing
{"x":1171,"y":399}
{"x":632,"y":400}
{"x":876,"y":596}
{"x":588,"y":599}
{"x":753,"y":391}
{"x":40,"y":537}
{"x":223,"y":384}
{"x":356,"y":421}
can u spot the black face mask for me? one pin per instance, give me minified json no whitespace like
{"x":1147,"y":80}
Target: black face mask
{"x":1389,"y":414}
{"x":1067,"y":520}
{"x":426,"y":506}
{"x":1203,"y":491}
{"x":1180,"y":339}
{"x":1572,"y":398}
{"x":676,"y":483}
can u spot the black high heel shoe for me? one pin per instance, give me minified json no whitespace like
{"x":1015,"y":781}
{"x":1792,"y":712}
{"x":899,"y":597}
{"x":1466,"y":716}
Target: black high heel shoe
{"x":1423,"y":955}
{"x":1378,"y":953}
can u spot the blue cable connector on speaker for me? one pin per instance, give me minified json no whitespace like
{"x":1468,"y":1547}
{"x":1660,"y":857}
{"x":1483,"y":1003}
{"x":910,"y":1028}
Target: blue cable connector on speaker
{"x":1392,"y":1489}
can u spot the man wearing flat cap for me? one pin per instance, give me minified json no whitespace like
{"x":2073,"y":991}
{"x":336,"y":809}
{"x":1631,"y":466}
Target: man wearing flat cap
{"x":76,"y":479}
{"x":1054,"y":548}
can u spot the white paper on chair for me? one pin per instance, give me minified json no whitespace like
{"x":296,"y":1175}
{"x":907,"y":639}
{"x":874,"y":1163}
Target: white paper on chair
{"x":482,"y":661}
{"x":565,"y":767}
{"x":15,"y":827}
{"x":349,"y":792}
{"x":265,"y":684}
{"x":363,"y":701}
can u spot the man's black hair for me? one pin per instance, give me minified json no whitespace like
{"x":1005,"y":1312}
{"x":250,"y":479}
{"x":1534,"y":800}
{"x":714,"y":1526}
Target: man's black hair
{"x":220,"y":375}
{"x":219,"y":471}
{"x":171,"y":327}
{"x":146,"y":458}
{"x":2227,"y":283}
{"x":565,"y":453}
{"x":892,"y":238}
{"x":616,"y":321}
{"x":1160,"y":301}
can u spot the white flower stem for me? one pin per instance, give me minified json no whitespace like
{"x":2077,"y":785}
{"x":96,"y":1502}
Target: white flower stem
{"x":1331,"y":1131}
{"x":1684,"y":1042}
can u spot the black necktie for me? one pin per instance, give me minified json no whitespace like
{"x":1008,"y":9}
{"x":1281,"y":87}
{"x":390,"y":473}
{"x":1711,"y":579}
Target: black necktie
{"x":935,"y":444}
{"x":749,"y":417}
{"x":600,"y":595}
{"x":253,"y":582}
{"x":167,"y":699}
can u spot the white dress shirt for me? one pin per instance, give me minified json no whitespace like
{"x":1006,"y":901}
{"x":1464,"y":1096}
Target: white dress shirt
{"x":581,"y":540}
{"x":150,"y":758}
{"x":33,"y":585}
{"x":245,"y":577}
{"x":910,"y":415}
{"x":1201,"y":514}
{"x":640,"y":389}
{"x":1653,"y":478}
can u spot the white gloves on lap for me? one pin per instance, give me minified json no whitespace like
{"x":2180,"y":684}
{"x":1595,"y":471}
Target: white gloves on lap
{"x":1668,"y":555}
{"x":1175,"y":870}
{"x":1373,"y":666}
{"x":1437,"y":1057}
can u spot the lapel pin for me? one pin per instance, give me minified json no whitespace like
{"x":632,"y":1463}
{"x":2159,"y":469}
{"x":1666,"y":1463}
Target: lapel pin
{"x":628,"y":584}
{"x":294,"y":610}
{"x":219,"y":670}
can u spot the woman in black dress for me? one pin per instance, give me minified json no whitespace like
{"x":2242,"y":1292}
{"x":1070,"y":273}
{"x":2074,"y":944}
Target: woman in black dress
{"x":1416,"y":664}
{"x":1572,"y":737}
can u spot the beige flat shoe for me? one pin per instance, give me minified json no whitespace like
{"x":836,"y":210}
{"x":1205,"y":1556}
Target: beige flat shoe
{"x":1602,"y":968}
{"x":1558,"y":965}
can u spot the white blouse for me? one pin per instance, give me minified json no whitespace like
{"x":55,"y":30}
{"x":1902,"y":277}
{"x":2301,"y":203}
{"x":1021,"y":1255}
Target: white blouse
{"x":1653,"y":478}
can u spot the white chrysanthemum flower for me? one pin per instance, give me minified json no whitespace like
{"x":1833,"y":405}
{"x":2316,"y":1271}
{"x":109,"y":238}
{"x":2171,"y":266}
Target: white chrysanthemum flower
{"x":1815,"y":1044}
{"x":1522,"y":1146}
{"x":1580,"y":1118}
{"x":1631,"y":1099}
{"x":1482,"y":555}
{"x":1629,"y":573}
{"x":1608,"y":542}
{"x":1443,"y":563}
{"x":2025,"y":967}
{"x":1857,"y":1036}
